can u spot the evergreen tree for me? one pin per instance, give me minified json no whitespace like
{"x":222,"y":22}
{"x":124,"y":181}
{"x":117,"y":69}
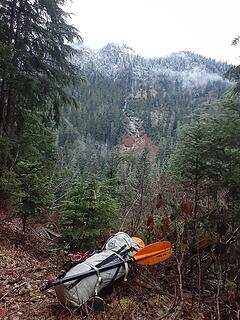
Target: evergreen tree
{"x":234,"y":72}
{"x":35,"y":73}
{"x":89,"y":213}
{"x":33,"y":190}
{"x":189,"y":161}
{"x":35,"y":69}
{"x":142,"y":186}
{"x":207,"y":162}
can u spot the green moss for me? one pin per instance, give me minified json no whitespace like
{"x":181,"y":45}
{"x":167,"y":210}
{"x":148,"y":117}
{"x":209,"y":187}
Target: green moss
{"x":121,"y":305}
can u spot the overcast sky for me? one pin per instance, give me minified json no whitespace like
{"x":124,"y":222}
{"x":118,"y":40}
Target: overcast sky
{"x":155,"y":28}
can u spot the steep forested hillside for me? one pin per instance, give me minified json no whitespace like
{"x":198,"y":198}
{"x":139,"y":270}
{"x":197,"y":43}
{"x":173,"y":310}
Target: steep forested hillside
{"x":88,"y":133}
{"x":162,"y":93}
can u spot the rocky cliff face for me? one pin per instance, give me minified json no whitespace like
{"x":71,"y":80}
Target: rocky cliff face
{"x":135,"y":139}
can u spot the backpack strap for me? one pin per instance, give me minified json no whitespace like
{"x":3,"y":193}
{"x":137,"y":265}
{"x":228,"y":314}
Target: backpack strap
{"x":99,"y":278}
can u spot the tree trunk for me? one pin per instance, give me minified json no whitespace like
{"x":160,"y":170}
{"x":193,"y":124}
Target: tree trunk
{"x":11,"y":101}
{"x":5,"y":85}
{"x":24,"y":221}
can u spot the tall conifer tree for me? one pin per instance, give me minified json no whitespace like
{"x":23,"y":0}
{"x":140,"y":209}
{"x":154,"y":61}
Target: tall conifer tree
{"x":34,"y":61}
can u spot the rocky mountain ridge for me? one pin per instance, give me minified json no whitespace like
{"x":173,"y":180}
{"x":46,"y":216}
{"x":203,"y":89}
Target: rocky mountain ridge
{"x":117,"y":60}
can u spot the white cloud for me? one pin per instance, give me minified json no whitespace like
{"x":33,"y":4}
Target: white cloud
{"x":158,"y":27}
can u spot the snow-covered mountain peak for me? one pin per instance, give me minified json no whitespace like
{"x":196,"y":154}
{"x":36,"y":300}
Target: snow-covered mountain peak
{"x":113,"y":59}
{"x":117,"y":60}
{"x":119,"y":48}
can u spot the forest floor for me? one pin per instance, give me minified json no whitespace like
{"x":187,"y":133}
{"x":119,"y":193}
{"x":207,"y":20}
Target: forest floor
{"x":25,"y":263}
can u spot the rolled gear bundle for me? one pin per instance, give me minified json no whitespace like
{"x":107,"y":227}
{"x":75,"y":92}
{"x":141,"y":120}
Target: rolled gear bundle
{"x":118,"y":248}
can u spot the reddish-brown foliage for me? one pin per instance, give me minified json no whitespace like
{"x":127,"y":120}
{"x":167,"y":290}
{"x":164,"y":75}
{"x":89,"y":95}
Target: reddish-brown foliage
{"x":150,"y":223}
{"x":186,"y":206}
